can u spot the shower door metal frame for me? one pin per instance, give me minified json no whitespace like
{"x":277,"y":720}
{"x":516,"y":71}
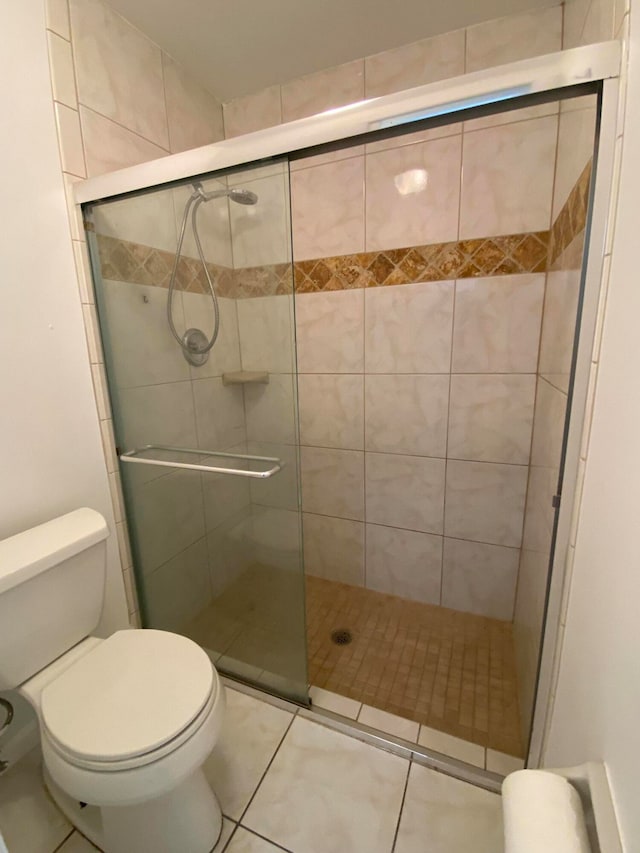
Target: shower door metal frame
{"x":565,"y":74}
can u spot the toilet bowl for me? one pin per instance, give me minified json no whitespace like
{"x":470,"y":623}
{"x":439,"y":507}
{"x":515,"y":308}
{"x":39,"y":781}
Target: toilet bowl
{"x":126,"y":722}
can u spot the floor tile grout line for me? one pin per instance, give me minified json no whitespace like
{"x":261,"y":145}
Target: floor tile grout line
{"x":404,"y":796}
{"x":264,"y":838}
{"x":64,"y":840}
{"x":233,"y":832}
{"x":271,"y":760}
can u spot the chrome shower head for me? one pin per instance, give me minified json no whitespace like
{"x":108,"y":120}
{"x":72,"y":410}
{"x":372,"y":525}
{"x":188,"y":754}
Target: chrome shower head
{"x":243,"y":196}
{"x":238,"y":195}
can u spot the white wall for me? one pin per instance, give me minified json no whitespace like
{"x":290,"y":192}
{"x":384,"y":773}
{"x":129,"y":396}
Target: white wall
{"x":597,"y":706}
{"x":51,"y":457}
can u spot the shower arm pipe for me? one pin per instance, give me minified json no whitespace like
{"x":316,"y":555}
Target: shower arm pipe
{"x":553,"y":72}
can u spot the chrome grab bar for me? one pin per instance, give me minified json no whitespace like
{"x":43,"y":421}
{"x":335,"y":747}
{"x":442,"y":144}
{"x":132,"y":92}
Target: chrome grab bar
{"x":134,"y":456}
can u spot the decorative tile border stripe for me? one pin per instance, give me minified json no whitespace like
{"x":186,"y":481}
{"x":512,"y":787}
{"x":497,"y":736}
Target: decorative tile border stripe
{"x":510,"y":254}
{"x":135,"y":263}
{"x":121,"y":260}
{"x":505,"y":255}
{"x":572,"y":219}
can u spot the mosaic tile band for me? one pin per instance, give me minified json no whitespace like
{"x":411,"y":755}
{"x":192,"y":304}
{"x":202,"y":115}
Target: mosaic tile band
{"x":509,"y":254}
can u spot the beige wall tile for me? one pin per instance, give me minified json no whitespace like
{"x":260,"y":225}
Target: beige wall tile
{"x":108,"y":146}
{"x":527,"y":626}
{"x":479,"y":578}
{"x":514,"y":37}
{"x":148,"y":219}
{"x":331,"y":410}
{"x":147,"y":359}
{"x":220,"y":414}
{"x":266,"y":332}
{"x":576,"y":140}
{"x":327,"y":205}
{"x":408,"y":328}
{"x":559,"y":326}
{"x":169,"y":518}
{"x":280,"y":491}
{"x":497,"y":324}
{"x":330,"y":331}
{"x":261,"y":233}
{"x":119,"y":70}
{"x":333,"y":482}
{"x":413,"y":194}
{"x":327,"y":157}
{"x":117,"y":499}
{"x":484,"y":502}
{"x":193,"y":114}
{"x":74,"y":210}
{"x":599,"y":22}
{"x":409,"y":138}
{"x":415,"y":64}
{"x":63,"y":80}
{"x":405,"y":491}
{"x":83,"y":270}
{"x":491,"y":417}
{"x":179,"y":589}
{"x":225,"y":355}
{"x":70,"y":141}
{"x":539,"y":515}
{"x":100,"y":388}
{"x":407,"y":414}
{"x":157,"y":414}
{"x":92,"y":331}
{"x":404,"y":563}
{"x":315,"y":93}
{"x":124,"y":547}
{"x":511,"y":115}
{"x":57,"y":15}
{"x":575,"y":13}
{"x":548,"y":427}
{"x":270,"y":410}
{"x":109,"y":445}
{"x":252,"y":112}
{"x":224,"y":498}
{"x":508,"y":178}
{"x":334,"y":548}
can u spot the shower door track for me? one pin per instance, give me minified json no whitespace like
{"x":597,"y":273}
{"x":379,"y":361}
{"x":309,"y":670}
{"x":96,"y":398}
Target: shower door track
{"x":556,"y":76}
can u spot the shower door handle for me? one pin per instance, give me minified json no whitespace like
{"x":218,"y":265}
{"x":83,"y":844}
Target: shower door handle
{"x":153,"y":452}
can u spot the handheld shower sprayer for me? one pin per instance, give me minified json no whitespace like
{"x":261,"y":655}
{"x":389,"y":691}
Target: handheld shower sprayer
{"x":194,"y":343}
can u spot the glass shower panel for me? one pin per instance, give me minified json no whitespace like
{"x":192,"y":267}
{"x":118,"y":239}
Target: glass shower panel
{"x":207,"y":437}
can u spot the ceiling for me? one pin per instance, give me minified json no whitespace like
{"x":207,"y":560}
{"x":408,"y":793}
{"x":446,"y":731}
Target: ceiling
{"x":235,"y":47}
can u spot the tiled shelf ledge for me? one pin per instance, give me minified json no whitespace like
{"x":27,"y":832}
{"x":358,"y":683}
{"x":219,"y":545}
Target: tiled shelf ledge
{"x":246,"y":377}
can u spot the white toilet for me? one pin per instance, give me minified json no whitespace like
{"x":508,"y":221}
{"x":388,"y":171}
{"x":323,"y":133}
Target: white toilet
{"x":126,"y":723}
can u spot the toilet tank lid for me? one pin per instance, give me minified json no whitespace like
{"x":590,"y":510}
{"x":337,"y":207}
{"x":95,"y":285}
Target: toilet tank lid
{"x":33,"y":551}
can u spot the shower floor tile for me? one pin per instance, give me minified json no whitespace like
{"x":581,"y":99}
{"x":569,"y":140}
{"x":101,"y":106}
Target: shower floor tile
{"x":451,"y":671}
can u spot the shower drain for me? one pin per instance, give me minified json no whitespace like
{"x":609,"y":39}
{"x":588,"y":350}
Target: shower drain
{"x":341,"y":637}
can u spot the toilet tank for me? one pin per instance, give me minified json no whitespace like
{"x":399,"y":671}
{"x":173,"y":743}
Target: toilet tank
{"x":51,"y":591}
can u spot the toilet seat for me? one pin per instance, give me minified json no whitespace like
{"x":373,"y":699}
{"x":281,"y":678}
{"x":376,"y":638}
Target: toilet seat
{"x":134,"y":698}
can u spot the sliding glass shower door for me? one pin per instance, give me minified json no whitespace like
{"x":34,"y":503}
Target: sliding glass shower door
{"x":194,"y":288}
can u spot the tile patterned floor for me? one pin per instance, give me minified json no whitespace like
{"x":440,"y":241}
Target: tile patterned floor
{"x":451,"y":671}
{"x":288,"y":783}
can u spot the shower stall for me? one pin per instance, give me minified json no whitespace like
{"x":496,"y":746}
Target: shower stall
{"x":345,"y":360}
